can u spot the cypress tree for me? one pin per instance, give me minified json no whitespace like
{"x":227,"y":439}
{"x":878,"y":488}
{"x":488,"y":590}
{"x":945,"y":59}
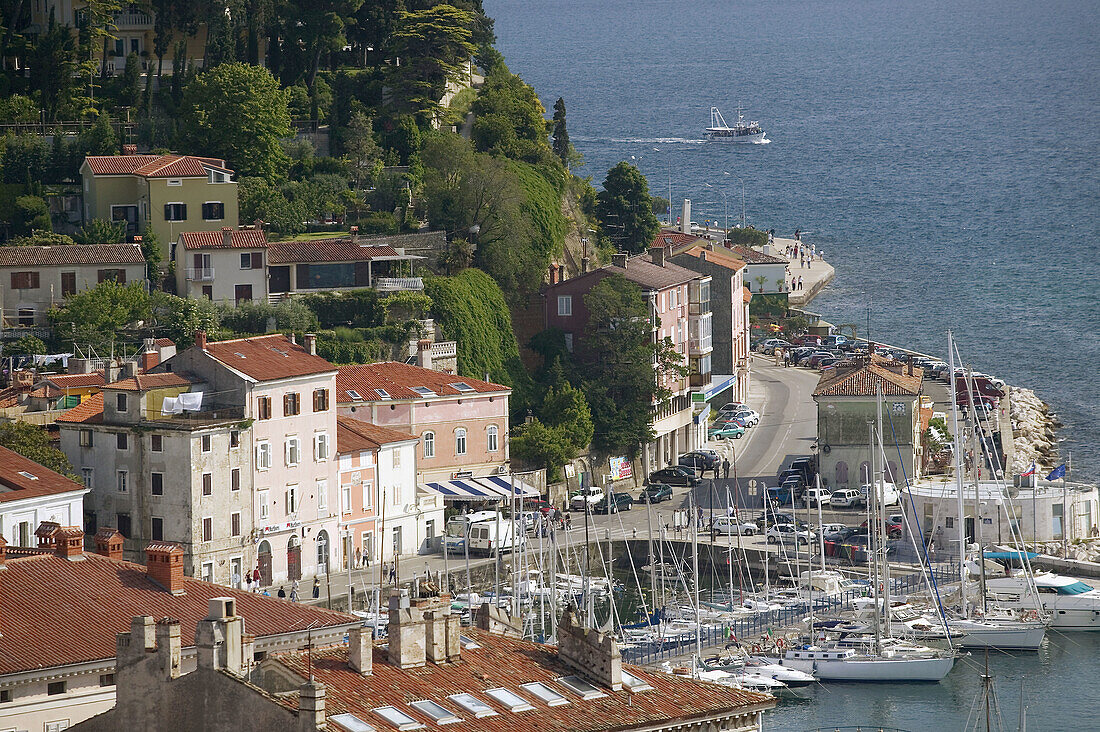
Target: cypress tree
{"x":561,"y":135}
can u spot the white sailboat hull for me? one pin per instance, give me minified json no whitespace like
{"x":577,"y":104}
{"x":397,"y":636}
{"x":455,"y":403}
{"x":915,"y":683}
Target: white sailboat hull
{"x":874,"y":669}
{"x":1006,"y":636}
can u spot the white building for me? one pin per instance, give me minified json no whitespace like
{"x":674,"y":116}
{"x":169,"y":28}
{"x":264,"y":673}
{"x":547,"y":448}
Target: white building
{"x":31,"y":494}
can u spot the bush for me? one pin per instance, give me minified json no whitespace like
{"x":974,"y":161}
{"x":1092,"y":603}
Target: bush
{"x":25,"y":159}
{"x":254,"y":317}
{"x":18,"y":109}
{"x":31,"y":214}
{"x":353,"y":308}
{"x":748,"y":237}
{"x":378,"y":222}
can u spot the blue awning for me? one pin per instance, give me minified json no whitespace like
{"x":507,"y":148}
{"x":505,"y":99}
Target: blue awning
{"x":490,"y":488}
{"x":1009,"y":555}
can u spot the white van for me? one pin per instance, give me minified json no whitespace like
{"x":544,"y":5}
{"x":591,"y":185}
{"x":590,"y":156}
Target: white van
{"x":888,"y":493}
{"x":490,"y":538}
{"x":455,"y":541}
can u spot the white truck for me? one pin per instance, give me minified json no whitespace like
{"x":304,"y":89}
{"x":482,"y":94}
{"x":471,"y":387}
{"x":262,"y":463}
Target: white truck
{"x":888,"y":493}
{"x":586,"y":498}
{"x":458,"y":529}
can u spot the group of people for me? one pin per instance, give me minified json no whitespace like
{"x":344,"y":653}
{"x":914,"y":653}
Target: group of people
{"x":294,"y":596}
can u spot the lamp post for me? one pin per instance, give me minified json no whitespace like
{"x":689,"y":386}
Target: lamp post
{"x":742,"y":201}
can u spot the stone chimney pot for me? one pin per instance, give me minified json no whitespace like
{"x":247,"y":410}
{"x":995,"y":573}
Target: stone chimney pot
{"x":619,"y":259}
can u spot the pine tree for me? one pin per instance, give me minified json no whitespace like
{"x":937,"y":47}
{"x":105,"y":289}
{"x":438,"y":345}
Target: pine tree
{"x":561,"y":135}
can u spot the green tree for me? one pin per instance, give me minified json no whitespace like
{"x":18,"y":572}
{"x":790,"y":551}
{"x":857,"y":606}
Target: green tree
{"x":363,"y":153}
{"x":31,"y":214}
{"x":99,"y":139}
{"x":41,"y":238}
{"x":250,"y":97}
{"x":101,"y":231}
{"x":562,"y":146}
{"x":510,"y":120}
{"x":95,"y":317}
{"x":130,"y":91}
{"x":33,"y":443}
{"x":99,"y":26}
{"x":625,"y":209}
{"x":562,"y":429}
{"x":53,"y":66}
{"x":259,"y":317}
{"x":28,"y":344}
{"x":265,"y":201}
{"x":179,"y":318}
{"x":432,"y":45}
{"x":315,"y":28}
{"x":26,"y":158}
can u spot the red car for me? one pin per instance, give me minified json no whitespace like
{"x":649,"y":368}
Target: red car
{"x":537,"y":504}
{"x":892,"y":528}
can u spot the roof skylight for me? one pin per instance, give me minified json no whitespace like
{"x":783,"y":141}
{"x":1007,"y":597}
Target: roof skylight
{"x":582,"y":688}
{"x":383,"y":393}
{"x":423,"y":391}
{"x":472,"y":704}
{"x":462,"y":386}
{"x":437,"y":712}
{"x":510,"y":699}
{"x":398,"y":718}
{"x":634,"y":683}
{"x":351,"y":723}
{"x":353,"y":394}
{"x":468,"y":642}
{"x":30,"y":476}
{"x":545,"y":693}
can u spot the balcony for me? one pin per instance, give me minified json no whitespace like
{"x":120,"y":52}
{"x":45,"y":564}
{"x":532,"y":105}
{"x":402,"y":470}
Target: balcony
{"x":134,"y":20}
{"x":699,"y":334}
{"x":397,"y":284}
{"x":200,"y":274}
{"x":444,"y":349}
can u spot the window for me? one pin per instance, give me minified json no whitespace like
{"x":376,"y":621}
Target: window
{"x":565,"y":305}
{"x":213,"y":211}
{"x":86,"y":475}
{"x":207,"y":484}
{"x":440,"y":714}
{"x":235,"y":523}
{"x":398,"y":718}
{"x":429,"y":444}
{"x":949,"y":522}
{"x":5,"y":696}
{"x":26,"y":316}
{"x":120,"y":402}
{"x":261,"y":496}
{"x":545,"y":693}
{"x":156,"y":529}
{"x":395,"y":455}
{"x":208,"y":529}
{"x":57,"y":725}
{"x":123,"y":481}
{"x":291,"y":404}
{"x":345,"y":498}
{"x":263,"y":455}
{"x":322,"y":495}
{"x":175,"y":212}
{"x":205,"y":440}
{"x":111,"y":275}
{"x":460,"y":441}
{"x":24,"y":281}
{"x":583,"y":689}
{"x":635,"y":683}
{"x":156,"y":443}
{"x":293,"y":451}
{"x":423,"y":391}
{"x":242,"y":293}
{"x":85,"y":438}
{"x":320,"y":446}
{"x":473,"y":705}
{"x":156,"y":484}
{"x":175,"y":182}
{"x":510,"y":699}
{"x":208,"y":572}
{"x":492,"y":438}
{"x":68,"y":284}
{"x":263,"y":407}
{"x":106,"y":679}
{"x":320,"y":400}
{"x":122,"y":520}
{"x":55,"y":687}
{"x":234,"y":438}
{"x":255,"y":260}
{"x":368,"y":494}
{"x":122,"y":440}
{"x":291,"y":499}
{"x":235,"y":479}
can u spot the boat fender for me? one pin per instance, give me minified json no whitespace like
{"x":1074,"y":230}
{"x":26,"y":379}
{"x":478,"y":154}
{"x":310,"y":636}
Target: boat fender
{"x":780,"y":643}
{"x":756,"y":648}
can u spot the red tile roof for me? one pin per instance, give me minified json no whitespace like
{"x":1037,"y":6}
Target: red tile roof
{"x":145,"y":382}
{"x":751,"y":256}
{"x":325,"y":250}
{"x":162,"y":342}
{"x":508,"y":662}
{"x":675,"y":239}
{"x":719,"y":255}
{"x":268,"y":358}
{"x":89,"y":411}
{"x":71,"y":254}
{"x":239,"y":239}
{"x":353,"y":435}
{"x":154,"y":166}
{"x":748,"y":294}
{"x":859,"y":378}
{"x":45,"y":482}
{"x":398,"y":380}
{"x":74,"y":381}
{"x":55,"y":612}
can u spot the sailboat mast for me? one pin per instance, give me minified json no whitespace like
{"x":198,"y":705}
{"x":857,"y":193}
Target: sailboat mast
{"x":695,"y":577}
{"x":870,"y":540}
{"x":976,"y":471}
{"x":957,"y":442}
{"x":880,"y":523}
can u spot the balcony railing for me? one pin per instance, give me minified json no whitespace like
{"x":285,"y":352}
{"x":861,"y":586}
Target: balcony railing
{"x":444,"y":349}
{"x":200,"y":274}
{"x":700,"y":346}
{"x":395,"y":284}
{"x":134,"y":21}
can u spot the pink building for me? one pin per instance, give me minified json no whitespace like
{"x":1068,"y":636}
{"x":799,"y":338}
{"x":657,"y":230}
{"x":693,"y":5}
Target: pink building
{"x":679,"y":302}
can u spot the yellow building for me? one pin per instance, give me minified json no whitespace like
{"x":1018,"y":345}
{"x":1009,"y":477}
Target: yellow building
{"x":166,"y":194}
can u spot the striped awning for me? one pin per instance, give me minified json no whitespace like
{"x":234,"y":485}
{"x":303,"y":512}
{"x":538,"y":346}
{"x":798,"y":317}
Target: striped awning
{"x":491,"y":488}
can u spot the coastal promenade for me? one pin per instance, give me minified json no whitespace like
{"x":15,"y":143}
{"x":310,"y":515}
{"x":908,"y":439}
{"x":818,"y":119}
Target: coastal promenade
{"x":814,"y":277}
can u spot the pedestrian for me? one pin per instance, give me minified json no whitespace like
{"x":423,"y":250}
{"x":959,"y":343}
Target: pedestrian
{"x":294,"y":594}
{"x":316,"y":588}
{"x":725,"y":467}
{"x":778,"y":356}
{"x":256,"y":575}
{"x":800,"y":282}
{"x":282,"y":592}
{"x":266,"y":593}
{"x":568,"y":522}
{"x":393,"y":573}
{"x":358,"y":557}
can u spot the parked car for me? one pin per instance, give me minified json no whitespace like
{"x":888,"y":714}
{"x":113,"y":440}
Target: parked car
{"x":730,"y":407}
{"x":841,"y":534}
{"x":770,"y":346}
{"x":675,"y":475}
{"x":769,"y":518}
{"x":827,"y":363}
{"x":888,"y":494}
{"x":800,"y":353}
{"x":729,"y":525}
{"x":749,"y":417}
{"x":581,"y":500}
{"x":805,"y":466}
{"x":806,"y":340}
{"x":833,"y":341}
{"x":613,"y":503}
{"x":846,"y":498}
{"x":732,"y":432}
{"x":699,"y":460}
{"x":828,"y":530}
{"x":815,"y":496}
{"x":892,"y":529}
{"x":787,"y":534}
{"x":655,"y":493}
{"x":817,"y":358}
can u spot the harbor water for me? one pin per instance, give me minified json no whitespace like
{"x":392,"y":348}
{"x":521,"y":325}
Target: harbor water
{"x":941,"y":154}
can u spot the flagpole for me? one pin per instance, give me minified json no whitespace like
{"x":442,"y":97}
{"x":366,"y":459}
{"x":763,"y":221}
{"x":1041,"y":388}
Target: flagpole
{"x":1066,"y":524}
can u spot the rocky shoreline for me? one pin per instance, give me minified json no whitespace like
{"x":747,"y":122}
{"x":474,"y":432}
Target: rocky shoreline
{"x":1034,"y":432}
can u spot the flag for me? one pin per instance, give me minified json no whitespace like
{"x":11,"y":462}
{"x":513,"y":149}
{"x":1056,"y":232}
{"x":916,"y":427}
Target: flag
{"x":1059,"y":472}
{"x":1030,"y":471}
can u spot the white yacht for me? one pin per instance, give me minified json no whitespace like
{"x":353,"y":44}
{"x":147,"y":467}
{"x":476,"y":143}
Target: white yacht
{"x":1006,"y":634}
{"x":836,"y":663}
{"x":741,"y":132}
{"x":1073,"y":604}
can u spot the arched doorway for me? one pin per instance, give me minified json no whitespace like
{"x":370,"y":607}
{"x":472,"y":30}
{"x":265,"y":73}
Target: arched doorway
{"x":842,"y":473}
{"x":294,"y":559}
{"x":263,"y":561}
{"x":322,"y":552}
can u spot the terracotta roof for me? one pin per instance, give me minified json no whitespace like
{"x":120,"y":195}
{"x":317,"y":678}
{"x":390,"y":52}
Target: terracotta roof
{"x":748,"y":294}
{"x":46,"y":391}
{"x":751,"y":256}
{"x":74,"y":381}
{"x":325,"y":250}
{"x":675,"y":239}
{"x":353,"y":435}
{"x":268,"y":358}
{"x":719,"y":255}
{"x":507,"y":662}
{"x":154,"y":166}
{"x":45,"y":482}
{"x":55,"y":612}
{"x":89,"y":411}
{"x":162,"y":342}
{"x":859,"y":378}
{"x":71,"y":254}
{"x":239,"y":239}
{"x":398,"y":379}
{"x":9,"y":397}
{"x":145,"y":382}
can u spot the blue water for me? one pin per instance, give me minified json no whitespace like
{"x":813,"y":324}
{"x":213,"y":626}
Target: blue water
{"x":944,"y":157}
{"x":942,"y":154}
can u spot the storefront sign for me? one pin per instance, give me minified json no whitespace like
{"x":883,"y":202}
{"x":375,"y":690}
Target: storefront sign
{"x":276,"y":528}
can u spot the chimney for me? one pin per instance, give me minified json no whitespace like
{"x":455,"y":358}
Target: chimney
{"x":258,"y":224}
{"x":685,"y":217}
{"x":129,"y":149}
{"x":169,"y":648}
{"x":164,"y":565}
{"x":111,"y":372}
{"x":218,"y":637}
{"x":435,"y":633}
{"x":47,"y":534}
{"x":200,"y":339}
{"x":227,"y":236}
{"x":134,"y":646}
{"x":293,"y":338}
{"x":424,"y":353}
{"x":70,"y":543}
{"x":150,"y":356}
{"x":618,"y":259}
{"x":311,"y":707}
{"x":406,"y":631}
{"x":309,"y":341}
{"x":497,"y":620}
{"x":108,"y":543}
{"x":361,"y":650}
{"x":657,"y":255}
{"x":910,"y":365}
{"x":593,"y":654}
{"x":584,"y":264}
{"x":128,"y":369}
{"x":355,"y":235}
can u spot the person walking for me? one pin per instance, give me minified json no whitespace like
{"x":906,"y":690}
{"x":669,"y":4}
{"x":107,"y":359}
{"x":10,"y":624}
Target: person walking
{"x":725,"y":467}
{"x":282,"y":592}
{"x":316,"y":588}
{"x":393,"y":573}
{"x":800,"y":282}
{"x":294,"y":594}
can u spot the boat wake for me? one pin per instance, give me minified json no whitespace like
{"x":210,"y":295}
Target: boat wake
{"x":644,"y":140}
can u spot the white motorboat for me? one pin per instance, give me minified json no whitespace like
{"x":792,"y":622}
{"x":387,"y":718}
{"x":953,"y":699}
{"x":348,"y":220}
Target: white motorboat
{"x":1011,"y":635}
{"x":1073,"y":605}
{"x":741,"y":132}
{"x":752,"y":682}
{"x":835,"y":663}
{"x":792,"y":677}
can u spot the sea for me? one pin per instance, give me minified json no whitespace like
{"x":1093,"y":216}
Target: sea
{"x":943,"y":157}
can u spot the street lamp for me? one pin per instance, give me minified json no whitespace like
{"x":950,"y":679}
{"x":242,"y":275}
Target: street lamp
{"x":742,"y":201}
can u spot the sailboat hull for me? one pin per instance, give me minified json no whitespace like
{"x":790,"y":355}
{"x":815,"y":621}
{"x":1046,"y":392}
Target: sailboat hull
{"x":873,"y":669}
{"x":1012,"y":637}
